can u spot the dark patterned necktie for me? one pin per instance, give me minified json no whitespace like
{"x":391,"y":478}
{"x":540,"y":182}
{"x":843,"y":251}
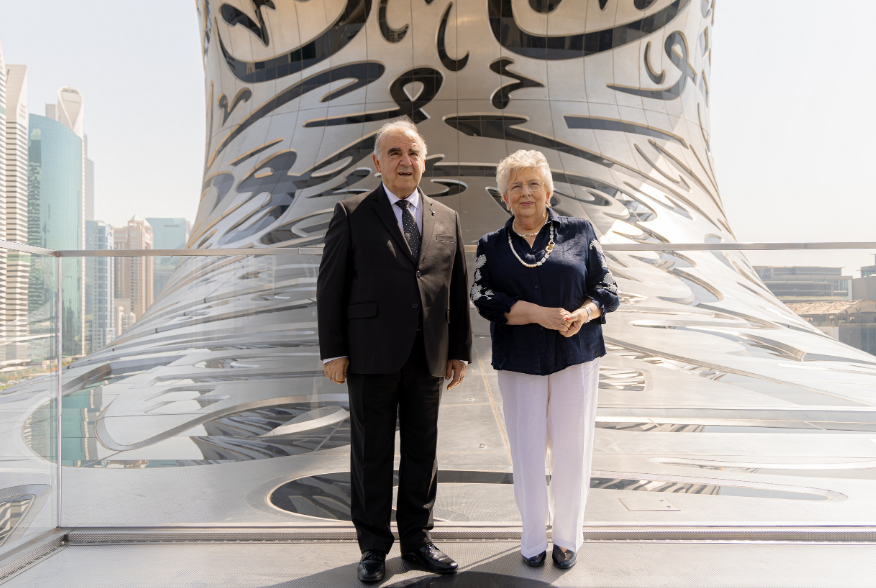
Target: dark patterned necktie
{"x":409,"y":224}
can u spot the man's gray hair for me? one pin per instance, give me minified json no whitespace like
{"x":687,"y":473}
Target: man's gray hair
{"x":399,"y":124}
{"x":520,"y":160}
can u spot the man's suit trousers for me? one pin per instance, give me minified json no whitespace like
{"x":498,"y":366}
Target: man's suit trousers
{"x":413,"y":394}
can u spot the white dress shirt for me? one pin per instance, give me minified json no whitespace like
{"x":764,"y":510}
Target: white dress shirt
{"x":415,"y":207}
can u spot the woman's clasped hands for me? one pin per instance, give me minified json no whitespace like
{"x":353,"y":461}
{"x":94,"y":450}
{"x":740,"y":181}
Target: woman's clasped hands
{"x":556,"y":319}
{"x":566,"y":322}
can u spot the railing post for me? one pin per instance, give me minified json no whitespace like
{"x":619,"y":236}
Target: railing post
{"x":60,"y":349}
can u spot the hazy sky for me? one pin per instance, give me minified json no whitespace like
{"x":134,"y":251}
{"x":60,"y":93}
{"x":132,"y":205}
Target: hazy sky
{"x":140,"y":72}
{"x":792,"y":117}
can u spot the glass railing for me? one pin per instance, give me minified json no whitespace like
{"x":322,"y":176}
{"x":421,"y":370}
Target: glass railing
{"x":204,"y":402}
{"x":29,"y":389}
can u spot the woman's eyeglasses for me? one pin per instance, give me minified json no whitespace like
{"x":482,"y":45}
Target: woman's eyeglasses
{"x":518,"y":188}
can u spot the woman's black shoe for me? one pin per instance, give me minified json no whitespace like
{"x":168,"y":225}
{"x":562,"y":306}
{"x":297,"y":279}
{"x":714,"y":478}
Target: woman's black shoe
{"x":563,"y":560}
{"x":536,"y":561}
{"x":372,"y":566}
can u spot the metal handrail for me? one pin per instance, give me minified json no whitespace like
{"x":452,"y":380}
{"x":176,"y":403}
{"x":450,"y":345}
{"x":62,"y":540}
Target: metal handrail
{"x":13,"y":246}
{"x":317,"y":249}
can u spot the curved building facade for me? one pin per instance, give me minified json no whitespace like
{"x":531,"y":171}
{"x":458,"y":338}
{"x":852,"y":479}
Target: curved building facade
{"x":214,"y":405}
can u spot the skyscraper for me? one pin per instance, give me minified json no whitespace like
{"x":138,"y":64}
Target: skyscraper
{"x":3,"y":255}
{"x":89,"y":185}
{"x":62,"y":217}
{"x":99,"y":287}
{"x":167,"y":233}
{"x":55,"y":209}
{"x":18,"y":264}
{"x":133,"y":279}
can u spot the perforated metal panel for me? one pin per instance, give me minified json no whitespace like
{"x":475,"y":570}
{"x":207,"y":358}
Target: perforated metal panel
{"x":30,"y":553}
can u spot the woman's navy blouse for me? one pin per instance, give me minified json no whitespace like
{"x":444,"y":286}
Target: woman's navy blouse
{"x":575,"y":271}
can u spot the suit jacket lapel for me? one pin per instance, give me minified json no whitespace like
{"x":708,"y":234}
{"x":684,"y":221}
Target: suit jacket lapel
{"x":428,"y":223}
{"x":384,"y":211}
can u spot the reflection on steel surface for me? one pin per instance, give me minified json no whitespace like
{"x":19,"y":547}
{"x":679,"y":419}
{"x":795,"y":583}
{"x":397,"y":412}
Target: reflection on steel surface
{"x":275,"y":430}
{"x":327,"y":496}
{"x":18,"y":507}
{"x":12,"y":511}
{"x":616,"y":96}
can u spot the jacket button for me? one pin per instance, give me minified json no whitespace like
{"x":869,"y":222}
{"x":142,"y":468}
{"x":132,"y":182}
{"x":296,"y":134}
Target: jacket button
{"x":415,"y":305}
{"x":419,"y":274}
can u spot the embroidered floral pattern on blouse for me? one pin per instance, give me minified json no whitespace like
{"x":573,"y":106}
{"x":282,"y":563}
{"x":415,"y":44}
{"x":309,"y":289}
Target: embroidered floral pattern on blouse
{"x":608,"y":282}
{"x":595,"y":244}
{"x":478,"y":291}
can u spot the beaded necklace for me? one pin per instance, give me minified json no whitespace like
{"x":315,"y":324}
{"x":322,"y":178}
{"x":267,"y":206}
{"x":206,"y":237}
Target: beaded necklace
{"x":547,"y":251}
{"x":525,"y":235}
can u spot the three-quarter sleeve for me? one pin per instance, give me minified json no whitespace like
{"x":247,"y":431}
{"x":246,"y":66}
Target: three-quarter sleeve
{"x":601,"y":287}
{"x":491,"y":305}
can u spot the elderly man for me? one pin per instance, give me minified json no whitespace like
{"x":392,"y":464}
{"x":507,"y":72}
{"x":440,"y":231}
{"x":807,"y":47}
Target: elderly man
{"x":392,"y":302}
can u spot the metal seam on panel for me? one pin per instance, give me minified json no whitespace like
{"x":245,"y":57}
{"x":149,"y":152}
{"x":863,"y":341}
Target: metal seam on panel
{"x":59,"y":399}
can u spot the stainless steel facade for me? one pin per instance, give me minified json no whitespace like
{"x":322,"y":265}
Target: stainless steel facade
{"x":614,"y":92}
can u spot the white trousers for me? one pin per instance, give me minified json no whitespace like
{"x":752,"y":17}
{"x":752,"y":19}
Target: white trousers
{"x":550,"y":422}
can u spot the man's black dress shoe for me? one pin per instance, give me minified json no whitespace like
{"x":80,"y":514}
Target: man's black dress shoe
{"x":372,"y":566}
{"x":536,"y":561}
{"x":432,"y":559}
{"x":564,"y":560}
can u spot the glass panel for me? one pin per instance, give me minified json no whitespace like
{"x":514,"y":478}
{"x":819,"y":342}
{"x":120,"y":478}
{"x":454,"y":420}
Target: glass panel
{"x":28,"y":388}
{"x":181,"y":381}
{"x":211,"y":407}
{"x":740,"y":349}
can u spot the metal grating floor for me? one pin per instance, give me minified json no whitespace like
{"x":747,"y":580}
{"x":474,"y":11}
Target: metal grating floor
{"x":494,"y":564}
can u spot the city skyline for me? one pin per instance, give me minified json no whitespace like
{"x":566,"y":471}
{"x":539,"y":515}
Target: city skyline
{"x":122,"y":124}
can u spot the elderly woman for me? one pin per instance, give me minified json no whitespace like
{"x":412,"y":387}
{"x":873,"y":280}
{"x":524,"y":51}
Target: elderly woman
{"x":543,"y":283}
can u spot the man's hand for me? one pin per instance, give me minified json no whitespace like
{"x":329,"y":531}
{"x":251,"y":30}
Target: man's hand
{"x":336,"y":370}
{"x":456,"y":370}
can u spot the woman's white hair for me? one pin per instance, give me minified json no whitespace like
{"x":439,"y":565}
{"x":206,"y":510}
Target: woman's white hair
{"x":520,"y":160}
{"x":399,"y":124}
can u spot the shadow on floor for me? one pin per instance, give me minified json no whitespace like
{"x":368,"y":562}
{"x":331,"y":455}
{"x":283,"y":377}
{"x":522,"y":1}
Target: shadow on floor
{"x":490,"y":573}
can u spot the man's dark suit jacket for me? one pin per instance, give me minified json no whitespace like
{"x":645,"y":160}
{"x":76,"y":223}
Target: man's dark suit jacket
{"x":371,"y":292}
